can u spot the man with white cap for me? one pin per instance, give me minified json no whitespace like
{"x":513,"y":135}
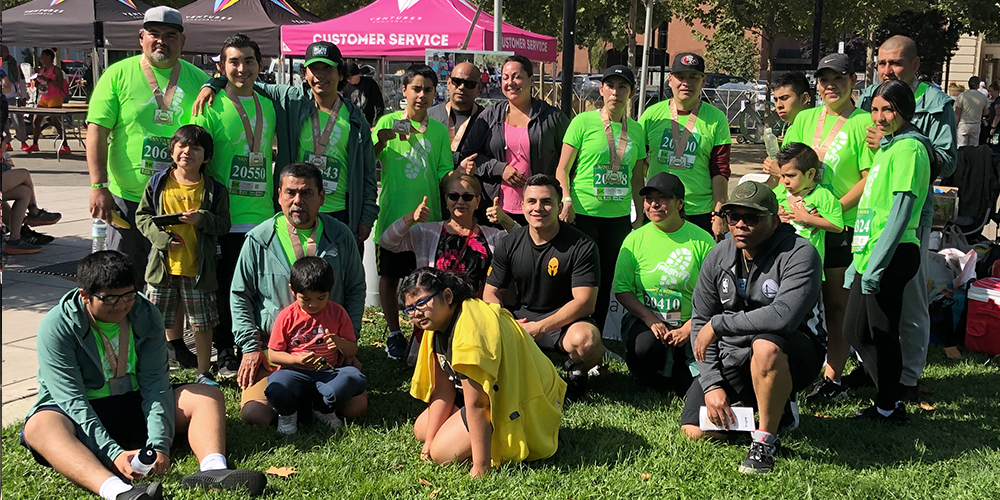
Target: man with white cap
{"x":138,"y":104}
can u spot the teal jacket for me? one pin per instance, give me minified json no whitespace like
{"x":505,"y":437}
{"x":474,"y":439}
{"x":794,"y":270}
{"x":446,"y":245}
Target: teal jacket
{"x":260,"y":284}
{"x":935,"y":119}
{"x":69,"y":364}
{"x":292,"y":106}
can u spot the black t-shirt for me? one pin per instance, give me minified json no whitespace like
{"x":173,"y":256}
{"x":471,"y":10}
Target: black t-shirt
{"x":442,"y":351}
{"x":545,"y":274}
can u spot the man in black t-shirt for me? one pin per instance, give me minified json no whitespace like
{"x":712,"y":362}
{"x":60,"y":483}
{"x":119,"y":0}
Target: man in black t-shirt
{"x":556,"y":270}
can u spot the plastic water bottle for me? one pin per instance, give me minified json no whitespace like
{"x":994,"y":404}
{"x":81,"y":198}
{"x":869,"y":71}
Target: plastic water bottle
{"x":99,"y":233}
{"x":142,"y":462}
{"x":770,"y":143}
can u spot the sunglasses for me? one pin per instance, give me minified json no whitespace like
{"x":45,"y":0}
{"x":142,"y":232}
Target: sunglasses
{"x":750,"y":218}
{"x":459,"y":82}
{"x":420,"y":305}
{"x":112,"y":300}
{"x":466,"y":197}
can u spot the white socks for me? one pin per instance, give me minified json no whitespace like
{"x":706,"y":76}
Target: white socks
{"x":112,"y":487}
{"x":884,"y":413}
{"x":213,"y":461}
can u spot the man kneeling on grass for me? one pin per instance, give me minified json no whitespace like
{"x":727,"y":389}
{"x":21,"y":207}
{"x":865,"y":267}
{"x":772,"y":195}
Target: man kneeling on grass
{"x":103,"y":397}
{"x":756,"y":324}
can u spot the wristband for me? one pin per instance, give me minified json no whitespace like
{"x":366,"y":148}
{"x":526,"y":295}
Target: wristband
{"x":99,"y":185}
{"x":567,"y":199}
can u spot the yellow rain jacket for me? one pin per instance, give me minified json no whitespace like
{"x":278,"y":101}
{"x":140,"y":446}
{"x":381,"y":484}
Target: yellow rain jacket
{"x":526,"y":394}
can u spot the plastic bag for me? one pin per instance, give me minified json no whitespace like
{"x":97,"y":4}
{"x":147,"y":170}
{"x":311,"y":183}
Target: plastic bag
{"x":952,"y":237}
{"x":964,"y":262}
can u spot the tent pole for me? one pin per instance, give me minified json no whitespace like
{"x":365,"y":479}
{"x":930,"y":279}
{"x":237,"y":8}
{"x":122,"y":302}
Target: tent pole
{"x":569,"y":51}
{"x":95,"y":63}
{"x":645,"y":56}
{"x":497,"y":24}
{"x":468,"y":36}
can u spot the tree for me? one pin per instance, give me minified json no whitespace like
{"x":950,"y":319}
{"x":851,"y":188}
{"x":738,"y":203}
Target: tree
{"x":730,"y":51}
{"x":931,"y":24}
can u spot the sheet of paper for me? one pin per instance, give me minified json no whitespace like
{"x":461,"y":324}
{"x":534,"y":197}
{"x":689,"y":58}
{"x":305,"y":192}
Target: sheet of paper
{"x":744,"y":420}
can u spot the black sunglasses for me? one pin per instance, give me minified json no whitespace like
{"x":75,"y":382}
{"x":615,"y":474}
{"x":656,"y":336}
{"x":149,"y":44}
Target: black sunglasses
{"x":466,"y":197}
{"x":458,"y":82}
{"x":750,"y":218}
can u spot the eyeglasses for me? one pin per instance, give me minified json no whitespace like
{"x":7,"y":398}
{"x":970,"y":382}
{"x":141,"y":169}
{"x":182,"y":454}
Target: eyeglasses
{"x":459,"y":82}
{"x":420,"y":305}
{"x":112,"y":300}
{"x":466,"y":197}
{"x":750,"y":218}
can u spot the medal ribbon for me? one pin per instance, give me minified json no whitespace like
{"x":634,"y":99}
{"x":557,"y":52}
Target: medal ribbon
{"x":119,"y":364}
{"x":255,"y":136}
{"x":456,"y":136}
{"x":679,"y":139}
{"x":163,"y":99}
{"x":821,"y":148}
{"x":423,"y":125}
{"x":297,"y":243}
{"x":320,"y":139}
{"x":615,"y":154}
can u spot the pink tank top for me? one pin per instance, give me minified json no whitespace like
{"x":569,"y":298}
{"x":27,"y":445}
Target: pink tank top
{"x":519,"y":157}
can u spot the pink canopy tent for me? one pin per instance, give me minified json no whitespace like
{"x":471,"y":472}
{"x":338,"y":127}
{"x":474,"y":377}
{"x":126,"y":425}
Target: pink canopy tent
{"x":404,"y":29}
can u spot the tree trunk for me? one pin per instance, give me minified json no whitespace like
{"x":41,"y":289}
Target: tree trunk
{"x":870,"y":55}
{"x":632,"y":12}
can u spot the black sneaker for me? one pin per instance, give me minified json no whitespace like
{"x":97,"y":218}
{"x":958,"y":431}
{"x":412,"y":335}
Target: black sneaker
{"x":396,"y":346}
{"x":227,"y":479}
{"x":227,"y":363}
{"x":184,"y":358}
{"x":576,"y":384}
{"x":34,"y":237}
{"x":151,"y":491}
{"x":790,"y":415}
{"x":760,"y":458}
{"x":908,"y":394}
{"x":897,"y":417}
{"x":826,"y":390}
{"x":856,"y":379}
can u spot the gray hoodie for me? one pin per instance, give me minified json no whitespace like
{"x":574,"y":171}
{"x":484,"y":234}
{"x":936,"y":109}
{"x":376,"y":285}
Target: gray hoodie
{"x":782,"y":296}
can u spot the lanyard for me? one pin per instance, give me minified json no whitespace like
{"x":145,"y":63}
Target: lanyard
{"x":163,"y":99}
{"x":682,"y":140}
{"x":254,"y":136}
{"x":321,"y":138}
{"x":456,"y":135}
{"x":820,"y":125}
{"x":119,"y":365}
{"x":615,"y":154}
{"x":423,"y":125}
{"x":297,"y":243}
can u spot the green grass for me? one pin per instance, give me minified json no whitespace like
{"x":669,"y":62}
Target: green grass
{"x":607,"y":444}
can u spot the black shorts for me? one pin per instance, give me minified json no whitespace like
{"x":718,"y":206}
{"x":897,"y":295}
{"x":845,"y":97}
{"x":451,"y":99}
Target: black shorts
{"x":838,"y":249}
{"x":703,"y":221}
{"x":550,"y":341}
{"x":805,"y":358}
{"x":394,"y":265}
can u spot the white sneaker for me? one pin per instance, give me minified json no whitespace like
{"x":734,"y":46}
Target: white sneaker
{"x":288,"y":424}
{"x":330,"y":419}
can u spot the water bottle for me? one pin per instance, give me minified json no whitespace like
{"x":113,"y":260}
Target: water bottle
{"x":142,"y":462}
{"x":99,"y":233}
{"x":770,"y":143}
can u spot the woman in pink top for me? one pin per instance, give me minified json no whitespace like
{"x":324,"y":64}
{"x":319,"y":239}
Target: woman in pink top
{"x":53,"y":89}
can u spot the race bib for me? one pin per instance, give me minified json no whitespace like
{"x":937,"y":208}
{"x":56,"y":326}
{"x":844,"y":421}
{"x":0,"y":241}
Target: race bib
{"x":862,"y":229}
{"x":666,"y":153}
{"x":329,"y":167}
{"x":610,"y":185}
{"x":155,"y":155}
{"x":666,"y":304}
{"x":245,"y":180}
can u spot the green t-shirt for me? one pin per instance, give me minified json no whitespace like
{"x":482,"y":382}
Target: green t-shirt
{"x":848,"y":155}
{"x":123,"y":102}
{"x":335,"y":173}
{"x":661,"y":269}
{"x":902,"y":167}
{"x":110,"y":330}
{"x":281,"y":230}
{"x":596,"y":190}
{"x":825,"y":203}
{"x":411,"y":169}
{"x":251,"y":188}
{"x":711,"y":129}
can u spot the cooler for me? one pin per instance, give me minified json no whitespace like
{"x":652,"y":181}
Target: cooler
{"x":982,"y":331}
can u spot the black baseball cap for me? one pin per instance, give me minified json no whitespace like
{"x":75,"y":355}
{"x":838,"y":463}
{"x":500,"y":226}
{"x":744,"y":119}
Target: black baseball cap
{"x":688,"y":61}
{"x":665,"y":182}
{"x":323,"y":52}
{"x":753,"y":195}
{"x":622,"y":71}
{"x":353,"y":69}
{"x":839,"y":63}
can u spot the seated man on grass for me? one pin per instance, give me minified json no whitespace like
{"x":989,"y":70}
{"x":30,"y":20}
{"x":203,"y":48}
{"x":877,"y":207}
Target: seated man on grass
{"x":756,"y":324}
{"x":96,"y":409}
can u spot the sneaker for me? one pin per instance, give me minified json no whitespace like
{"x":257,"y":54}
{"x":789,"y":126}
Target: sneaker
{"x":42,"y":218}
{"x":20,"y":247}
{"x":207,"y":379}
{"x":227,"y":363}
{"x":826,"y":390}
{"x":897,"y":417}
{"x":576,"y":384}
{"x":908,"y":394}
{"x":330,"y":419}
{"x":29,"y":149}
{"x":790,"y":415}
{"x":151,"y":491}
{"x":64,"y":150}
{"x":34,"y":237}
{"x":288,"y":424}
{"x":856,"y":379}
{"x":396,"y":346}
{"x":760,"y":458}
{"x":227,"y":479}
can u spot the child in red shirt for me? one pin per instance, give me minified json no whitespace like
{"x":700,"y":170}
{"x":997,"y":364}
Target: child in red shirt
{"x":309,"y":340}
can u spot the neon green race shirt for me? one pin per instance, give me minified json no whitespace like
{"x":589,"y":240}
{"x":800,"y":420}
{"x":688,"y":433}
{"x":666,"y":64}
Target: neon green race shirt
{"x":903,"y":167}
{"x":335,"y":173}
{"x":848,"y":155}
{"x":596,"y":190}
{"x":825,"y":203}
{"x":710,"y":129}
{"x":110,"y":330}
{"x":123,"y":102}
{"x":281,"y":230}
{"x":411,"y":169}
{"x":251,"y":188}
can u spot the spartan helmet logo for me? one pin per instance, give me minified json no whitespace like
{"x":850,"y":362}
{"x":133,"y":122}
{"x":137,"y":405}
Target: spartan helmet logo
{"x":553,"y":266}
